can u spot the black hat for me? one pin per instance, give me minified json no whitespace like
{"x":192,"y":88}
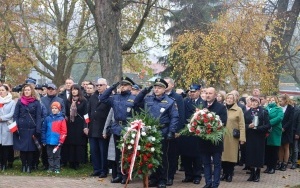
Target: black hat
{"x":30,"y":80}
{"x":160,"y":82}
{"x":194,"y":87}
{"x":45,"y":85}
{"x":38,"y":86}
{"x":126,"y":80}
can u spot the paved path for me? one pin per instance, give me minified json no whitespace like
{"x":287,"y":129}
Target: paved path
{"x":288,"y":178}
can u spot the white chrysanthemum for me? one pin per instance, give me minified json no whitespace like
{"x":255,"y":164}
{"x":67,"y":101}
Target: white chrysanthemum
{"x":138,"y":147}
{"x":209,"y":115}
{"x":131,"y":141}
{"x":129,"y":147}
{"x":202,"y":112}
{"x":123,"y":144}
{"x":144,"y":133}
{"x":153,"y":139}
{"x":133,"y":135}
{"x":152,"y":149}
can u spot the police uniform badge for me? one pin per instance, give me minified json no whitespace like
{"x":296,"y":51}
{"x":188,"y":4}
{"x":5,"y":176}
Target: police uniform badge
{"x":162,"y":110}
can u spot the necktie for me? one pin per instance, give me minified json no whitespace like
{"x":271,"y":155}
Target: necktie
{"x":99,"y":96}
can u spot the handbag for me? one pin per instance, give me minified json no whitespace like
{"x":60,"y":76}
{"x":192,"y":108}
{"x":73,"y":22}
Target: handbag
{"x":236,"y":133}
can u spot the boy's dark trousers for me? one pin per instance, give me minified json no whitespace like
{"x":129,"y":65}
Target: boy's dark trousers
{"x":45,"y":158}
{"x":53,"y":158}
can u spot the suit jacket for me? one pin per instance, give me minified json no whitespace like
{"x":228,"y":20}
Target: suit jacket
{"x":287,"y":125}
{"x":205,"y":145}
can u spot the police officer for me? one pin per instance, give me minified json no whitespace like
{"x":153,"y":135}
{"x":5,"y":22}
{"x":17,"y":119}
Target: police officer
{"x":122,"y":105}
{"x":188,"y":145}
{"x":161,"y":106}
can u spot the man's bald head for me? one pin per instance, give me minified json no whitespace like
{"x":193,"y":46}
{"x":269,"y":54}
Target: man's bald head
{"x":211,"y":94}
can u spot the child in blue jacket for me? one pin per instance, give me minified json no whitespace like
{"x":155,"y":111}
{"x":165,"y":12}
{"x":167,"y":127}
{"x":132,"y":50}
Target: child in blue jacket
{"x":54,"y":132}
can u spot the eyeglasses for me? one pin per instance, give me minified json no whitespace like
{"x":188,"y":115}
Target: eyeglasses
{"x":100,"y":85}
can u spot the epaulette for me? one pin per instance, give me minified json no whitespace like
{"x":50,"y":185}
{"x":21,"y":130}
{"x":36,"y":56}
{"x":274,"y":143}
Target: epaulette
{"x":172,"y":98}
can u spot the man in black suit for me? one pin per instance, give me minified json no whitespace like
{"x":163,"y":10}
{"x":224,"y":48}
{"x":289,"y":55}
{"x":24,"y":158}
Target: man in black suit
{"x":98,"y":112}
{"x":208,"y":149}
{"x":66,"y":93}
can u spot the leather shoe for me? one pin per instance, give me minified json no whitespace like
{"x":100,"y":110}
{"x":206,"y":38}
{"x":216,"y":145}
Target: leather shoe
{"x":169,"y":182}
{"x":185,"y":180}
{"x":152,"y":183}
{"x":94,"y":174}
{"x":124,"y":181}
{"x":271,"y":171}
{"x":196,"y":181}
{"x":229,"y":178}
{"x":161,"y":185}
{"x":224,"y":177}
{"x":294,"y":166}
{"x":116,"y":180}
{"x":267,"y":170}
{"x":207,"y":186}
{"x":102,"y":175}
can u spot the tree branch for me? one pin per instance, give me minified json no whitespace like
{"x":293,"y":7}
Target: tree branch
{"x":136,"y":33}
{"x":88,"y":65}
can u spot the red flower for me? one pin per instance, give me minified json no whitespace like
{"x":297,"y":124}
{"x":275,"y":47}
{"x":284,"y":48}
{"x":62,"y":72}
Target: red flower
{"x":208,"y":131}
{"x":148,"y":145}
{"x":141,"y":163}
{"x":150,"y":165}
{"x":195,"y":123}
{"x":197,"y":131}
{"x":208,"y":126}
{"x":192,"y":129}
{"x":149,"y":155}
{"x":206,"y":120}
{"x":145,"y":158}
{"x":140,"y":172}
{"x":204,"y":115}
{"x":198,"y":118}
{"x":129,"y":159}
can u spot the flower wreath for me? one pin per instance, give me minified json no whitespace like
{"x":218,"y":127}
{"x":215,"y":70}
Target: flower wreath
{"x":141,"y":146}
{"x":206,"y":125}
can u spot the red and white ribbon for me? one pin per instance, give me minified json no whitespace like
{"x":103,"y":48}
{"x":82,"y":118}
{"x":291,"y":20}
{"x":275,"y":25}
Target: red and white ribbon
{"x":136,"y":126}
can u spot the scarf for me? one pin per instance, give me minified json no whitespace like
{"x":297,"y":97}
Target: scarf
{"x":5,"y":100}
{"x":73,"y":108}
{"x":228,"y":106}
{"x":27,"y":100}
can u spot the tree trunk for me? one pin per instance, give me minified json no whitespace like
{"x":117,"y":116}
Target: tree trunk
{"x":107,"y":17}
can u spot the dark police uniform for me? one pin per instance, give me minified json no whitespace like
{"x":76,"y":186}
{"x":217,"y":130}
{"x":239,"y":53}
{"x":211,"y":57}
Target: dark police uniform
{"x":189,"y":145}
{"x":165,"y":109}
{"x":122,"y":105}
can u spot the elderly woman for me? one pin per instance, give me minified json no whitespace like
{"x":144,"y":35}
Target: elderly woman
{"x":257,"y":125}
{"x":235,"y":120}
{"x":28,"y":118}
{"x":274,"y":138}
{"x":7,"y":108}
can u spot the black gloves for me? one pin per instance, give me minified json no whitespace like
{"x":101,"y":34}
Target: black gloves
{"x":170,"y":136}
{"x":115,"y":85}
{"x":148,"y":89}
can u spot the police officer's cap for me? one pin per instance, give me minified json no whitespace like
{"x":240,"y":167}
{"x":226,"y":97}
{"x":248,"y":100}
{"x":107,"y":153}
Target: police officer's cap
{"x":136,"y":87}
{"x":126,"y":80}
{"x":38,"y":86}
{"x":30,"y":80}
{"x":194,"y":87}
{"x":160,"y":82}
{"x":45,"y":85}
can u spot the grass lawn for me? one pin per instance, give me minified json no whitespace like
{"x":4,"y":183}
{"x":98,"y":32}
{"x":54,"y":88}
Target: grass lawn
{"x":84,"y":171}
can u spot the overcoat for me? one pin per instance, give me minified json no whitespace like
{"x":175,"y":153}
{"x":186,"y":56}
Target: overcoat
{"x":6,"y":114}
{"x":287,"y":125}
{"x":255,"y":145}
{"x":28,"y":119}
{"x":235,"y":120}
{"x":275,"y":116}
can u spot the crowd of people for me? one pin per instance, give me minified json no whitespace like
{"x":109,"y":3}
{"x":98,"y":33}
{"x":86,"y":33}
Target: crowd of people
{"x":260,"y":130}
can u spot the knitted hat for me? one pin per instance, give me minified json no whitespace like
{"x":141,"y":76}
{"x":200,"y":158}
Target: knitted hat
{"x":57,"y":105}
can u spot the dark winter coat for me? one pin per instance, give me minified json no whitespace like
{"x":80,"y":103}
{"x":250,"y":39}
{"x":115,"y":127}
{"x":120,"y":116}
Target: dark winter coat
{"x":28,"y":119}
{"x":76,"y":135}
{"x":255,"y":145}
{"x":287,"y":125}
{"x":98,"y":112}
{"x":180,"y":106}
{"x":48,"y":100}
{"x":205,"y":145}
{"x":296,"y":121}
